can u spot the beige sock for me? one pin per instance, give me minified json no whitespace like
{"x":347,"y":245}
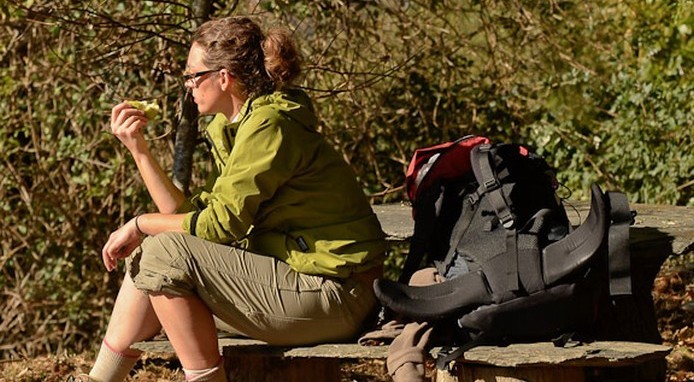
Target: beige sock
{"x":213,"y":374}
{"x":110,"y":365}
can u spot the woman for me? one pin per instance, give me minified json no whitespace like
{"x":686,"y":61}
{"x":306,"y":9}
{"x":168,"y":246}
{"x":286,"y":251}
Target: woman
{"x":283,"y":247}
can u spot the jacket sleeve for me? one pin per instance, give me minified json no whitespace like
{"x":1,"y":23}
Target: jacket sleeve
{"x":261,"y":161}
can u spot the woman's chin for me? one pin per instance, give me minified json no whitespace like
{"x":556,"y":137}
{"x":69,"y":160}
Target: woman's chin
{"x":202,"y":110}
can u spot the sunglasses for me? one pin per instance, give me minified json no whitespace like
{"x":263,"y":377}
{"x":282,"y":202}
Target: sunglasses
{"x":194,"y":76}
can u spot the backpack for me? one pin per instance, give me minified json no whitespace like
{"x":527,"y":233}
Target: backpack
{"x":487,"y":216}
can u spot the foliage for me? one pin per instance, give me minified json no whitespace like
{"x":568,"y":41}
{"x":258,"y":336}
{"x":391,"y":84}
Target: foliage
{"x":624,"y":114}
{"x":66,"y":182}
{"x":415,"y":74}
{"x":604,"y":90}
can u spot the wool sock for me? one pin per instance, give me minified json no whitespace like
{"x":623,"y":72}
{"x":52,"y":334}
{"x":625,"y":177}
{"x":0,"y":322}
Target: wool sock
{"x":111,"y":365}
{"x":213,"y":374}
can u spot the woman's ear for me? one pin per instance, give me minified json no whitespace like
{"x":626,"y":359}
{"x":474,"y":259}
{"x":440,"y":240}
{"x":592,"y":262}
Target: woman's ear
{"x":225,"y":79}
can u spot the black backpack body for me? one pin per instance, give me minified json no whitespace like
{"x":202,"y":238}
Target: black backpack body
{"x":487,"y":216}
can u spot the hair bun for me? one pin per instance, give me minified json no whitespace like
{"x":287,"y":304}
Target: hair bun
{"x":282,"y":58}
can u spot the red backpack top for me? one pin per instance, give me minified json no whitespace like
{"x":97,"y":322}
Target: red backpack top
{"x":421,"y":172}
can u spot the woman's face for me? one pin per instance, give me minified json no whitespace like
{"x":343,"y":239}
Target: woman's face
{"x":203,"y":82}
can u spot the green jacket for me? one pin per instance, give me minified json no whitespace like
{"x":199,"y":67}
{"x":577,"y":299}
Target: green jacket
{"x":282,"y":190}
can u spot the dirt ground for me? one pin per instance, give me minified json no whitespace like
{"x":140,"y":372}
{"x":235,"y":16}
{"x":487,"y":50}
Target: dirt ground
{"x":58,"y":368}
{"x":673,"y":295}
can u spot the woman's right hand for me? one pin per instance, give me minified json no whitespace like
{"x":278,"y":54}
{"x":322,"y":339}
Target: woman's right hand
{"x":127,"y":124}
{"x":121,"y":243}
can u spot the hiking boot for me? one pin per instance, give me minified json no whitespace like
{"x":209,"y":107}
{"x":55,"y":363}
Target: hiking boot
{"x":79,"y":378}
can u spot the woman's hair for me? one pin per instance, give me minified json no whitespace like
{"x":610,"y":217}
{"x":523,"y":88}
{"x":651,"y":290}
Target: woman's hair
{"x":260,"y":62}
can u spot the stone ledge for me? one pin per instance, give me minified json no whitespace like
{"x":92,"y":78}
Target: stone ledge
{"x":595,"y":354}
{"x":243,"y":346}
{"x":652,"y":223}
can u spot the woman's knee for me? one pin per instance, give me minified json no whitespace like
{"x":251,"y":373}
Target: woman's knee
{"x":162,"y":265}
{"x":163,"y":249}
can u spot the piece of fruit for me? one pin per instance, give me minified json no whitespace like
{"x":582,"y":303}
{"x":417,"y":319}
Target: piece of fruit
{"x":151,"y":109}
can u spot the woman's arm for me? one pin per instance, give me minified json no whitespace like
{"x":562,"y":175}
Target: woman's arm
{"x":127,"y":124}
{"x":125,"y":239}
{"x":164,"y":193}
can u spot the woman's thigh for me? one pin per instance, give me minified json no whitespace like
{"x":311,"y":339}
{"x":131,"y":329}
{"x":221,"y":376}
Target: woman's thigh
{"x":259,"y":296}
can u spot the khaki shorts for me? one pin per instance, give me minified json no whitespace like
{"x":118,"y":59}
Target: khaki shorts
{"x":257,"y":296}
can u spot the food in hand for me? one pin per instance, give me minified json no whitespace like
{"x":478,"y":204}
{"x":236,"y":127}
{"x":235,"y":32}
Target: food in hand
{"x":151,"y":109}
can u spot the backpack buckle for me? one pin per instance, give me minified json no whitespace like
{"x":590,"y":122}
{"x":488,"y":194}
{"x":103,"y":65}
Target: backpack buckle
{"x":507,"y":221}
{"x":491,"y":184}
{"x":473,"y":197}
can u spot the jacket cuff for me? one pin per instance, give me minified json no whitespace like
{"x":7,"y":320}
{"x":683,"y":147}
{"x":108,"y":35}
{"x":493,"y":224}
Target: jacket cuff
{"x":190,"y":222}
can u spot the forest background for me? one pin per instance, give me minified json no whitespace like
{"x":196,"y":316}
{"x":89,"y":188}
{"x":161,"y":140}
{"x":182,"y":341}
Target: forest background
{"x":602,"y":89}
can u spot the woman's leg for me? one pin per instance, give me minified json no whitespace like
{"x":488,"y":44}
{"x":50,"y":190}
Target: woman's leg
{"x":259,"y":296}
{"x":132,"y":320}
{"x":191,"y":329}
{"x":187,"y":321}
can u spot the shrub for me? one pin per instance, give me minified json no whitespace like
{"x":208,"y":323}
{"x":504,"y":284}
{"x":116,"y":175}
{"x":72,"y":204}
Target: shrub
{"x":602,"y":89}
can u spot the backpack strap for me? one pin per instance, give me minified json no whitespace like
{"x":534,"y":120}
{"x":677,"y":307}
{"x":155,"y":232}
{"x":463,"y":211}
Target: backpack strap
{"x":481,"y":160}
{"x":459,"y":229}
{"x":423,"y":230}
{"x":418,"y":245}
{"x":512,"y":273}
{"x":450,"y":353}
{"x":433,"y":302}
{"x":618,"y":243}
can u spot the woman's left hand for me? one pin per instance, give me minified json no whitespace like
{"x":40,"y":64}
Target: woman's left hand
{"x":121,"y":243}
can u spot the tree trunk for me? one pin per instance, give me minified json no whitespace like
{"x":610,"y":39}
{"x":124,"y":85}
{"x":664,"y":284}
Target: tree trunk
{"x":187,"y":129}
{"x":186,"y":137}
